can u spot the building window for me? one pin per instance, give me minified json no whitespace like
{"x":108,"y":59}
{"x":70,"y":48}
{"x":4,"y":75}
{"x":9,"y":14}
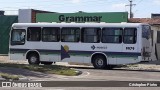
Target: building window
{"x":112,"y":35}
{"x":130,"y":35}
{"x":70,"y":34}
{"x":34,"y":34}
{"x":18,"y":37}
{"x":50,"y":34}
{"x":91,"y":35}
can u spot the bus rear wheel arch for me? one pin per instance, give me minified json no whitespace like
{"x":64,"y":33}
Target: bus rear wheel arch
{"x":99,"y":61}
{"x":33,"y":58}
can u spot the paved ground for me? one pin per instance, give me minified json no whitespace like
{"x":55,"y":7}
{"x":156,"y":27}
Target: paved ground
{"x":142,"y":71}
{"x":139,"y":72}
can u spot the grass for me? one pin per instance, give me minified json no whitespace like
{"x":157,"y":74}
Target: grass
{"x":8,"y":76}
{"x":50,"y":69}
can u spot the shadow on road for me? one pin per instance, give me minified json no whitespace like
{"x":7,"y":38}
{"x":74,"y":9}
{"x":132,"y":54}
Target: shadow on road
{"x":80,"y":67}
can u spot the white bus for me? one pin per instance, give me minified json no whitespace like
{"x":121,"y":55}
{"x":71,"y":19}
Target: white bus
{"x":100,"y":44}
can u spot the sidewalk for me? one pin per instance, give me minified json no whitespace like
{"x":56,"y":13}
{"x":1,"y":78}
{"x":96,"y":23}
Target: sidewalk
{"x":144,"y":66}
{"x":157,"y":62}
{"x":5,"y":59}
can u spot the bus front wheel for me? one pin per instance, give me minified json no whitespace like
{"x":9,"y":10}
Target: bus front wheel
{"x":99,"y":62}
{"x":33,"y":59}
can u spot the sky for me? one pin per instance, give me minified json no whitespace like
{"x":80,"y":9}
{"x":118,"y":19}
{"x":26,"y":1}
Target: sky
{"x":142,"y":9}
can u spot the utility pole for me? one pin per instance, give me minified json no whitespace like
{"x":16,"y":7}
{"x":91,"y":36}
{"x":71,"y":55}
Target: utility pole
{"x":130,"y":11}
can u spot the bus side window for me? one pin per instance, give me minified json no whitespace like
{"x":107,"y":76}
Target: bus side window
{"x":50,"y":34}
{"x":70,"y":34}
{"x":130,"y":36}
{"x":34,"y":34}
{"x":112,"y":35}
{"x":90,"y":35}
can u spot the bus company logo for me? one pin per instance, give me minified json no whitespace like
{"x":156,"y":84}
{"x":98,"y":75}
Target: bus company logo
{"x":64,"y":52}
{"x":93,"y":47}
{"x":98,"y":47}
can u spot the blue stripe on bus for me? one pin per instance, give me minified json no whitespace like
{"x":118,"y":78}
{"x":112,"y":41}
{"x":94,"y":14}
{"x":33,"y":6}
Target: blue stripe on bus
{"x":77,"y":52}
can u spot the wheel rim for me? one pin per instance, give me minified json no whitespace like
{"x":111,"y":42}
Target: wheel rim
{"x":33,"y":59}
{"x":99,"y":62}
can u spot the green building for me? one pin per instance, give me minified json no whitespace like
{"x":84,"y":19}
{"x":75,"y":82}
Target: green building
{"x":5,"y":27}
{"x":81,"y":17}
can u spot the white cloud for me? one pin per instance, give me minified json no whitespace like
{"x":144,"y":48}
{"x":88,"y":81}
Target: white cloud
{"x":75,"y":1}
{"x":157,"y":2}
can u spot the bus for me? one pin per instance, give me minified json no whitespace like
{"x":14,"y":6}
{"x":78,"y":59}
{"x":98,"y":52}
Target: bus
{"x":99,"y":44}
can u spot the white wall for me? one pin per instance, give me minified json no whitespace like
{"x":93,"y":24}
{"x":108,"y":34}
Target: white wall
{"x":25,"y":16}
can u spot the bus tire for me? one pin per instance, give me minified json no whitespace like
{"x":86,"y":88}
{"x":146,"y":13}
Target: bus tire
{"x":47,"y":63}
{"x":33,"y":59}
{"x":99,"y":62}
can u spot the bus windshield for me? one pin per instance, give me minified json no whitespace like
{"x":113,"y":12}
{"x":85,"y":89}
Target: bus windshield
{"x":18,"y":37}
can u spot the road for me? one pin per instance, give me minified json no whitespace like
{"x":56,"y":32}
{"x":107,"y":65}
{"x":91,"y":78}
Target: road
{"x":118,"y":75}
{"x":91,"y":74}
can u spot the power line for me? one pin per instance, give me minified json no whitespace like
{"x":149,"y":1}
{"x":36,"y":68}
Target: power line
{"x":130,"y":11}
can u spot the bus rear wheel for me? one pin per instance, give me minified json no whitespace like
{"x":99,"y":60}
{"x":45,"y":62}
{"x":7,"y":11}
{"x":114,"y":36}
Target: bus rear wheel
{"x":99,"y":62}
{"x":33,"y":59}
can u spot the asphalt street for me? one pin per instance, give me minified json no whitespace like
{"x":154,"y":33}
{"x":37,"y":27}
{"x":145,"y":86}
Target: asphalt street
{"x":91,"y":74}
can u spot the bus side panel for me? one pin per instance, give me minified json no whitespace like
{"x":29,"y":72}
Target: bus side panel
{"x":17,"y":56}
{"x":49,"y":58}
{"x":17,"y":53}
{"x":123,"y":60}
{"x":112,"y":61}
{"x":71,"y":52}
{"x":75,"y":59}
{"x":48,"y":51}
{"x":128,"y":60}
